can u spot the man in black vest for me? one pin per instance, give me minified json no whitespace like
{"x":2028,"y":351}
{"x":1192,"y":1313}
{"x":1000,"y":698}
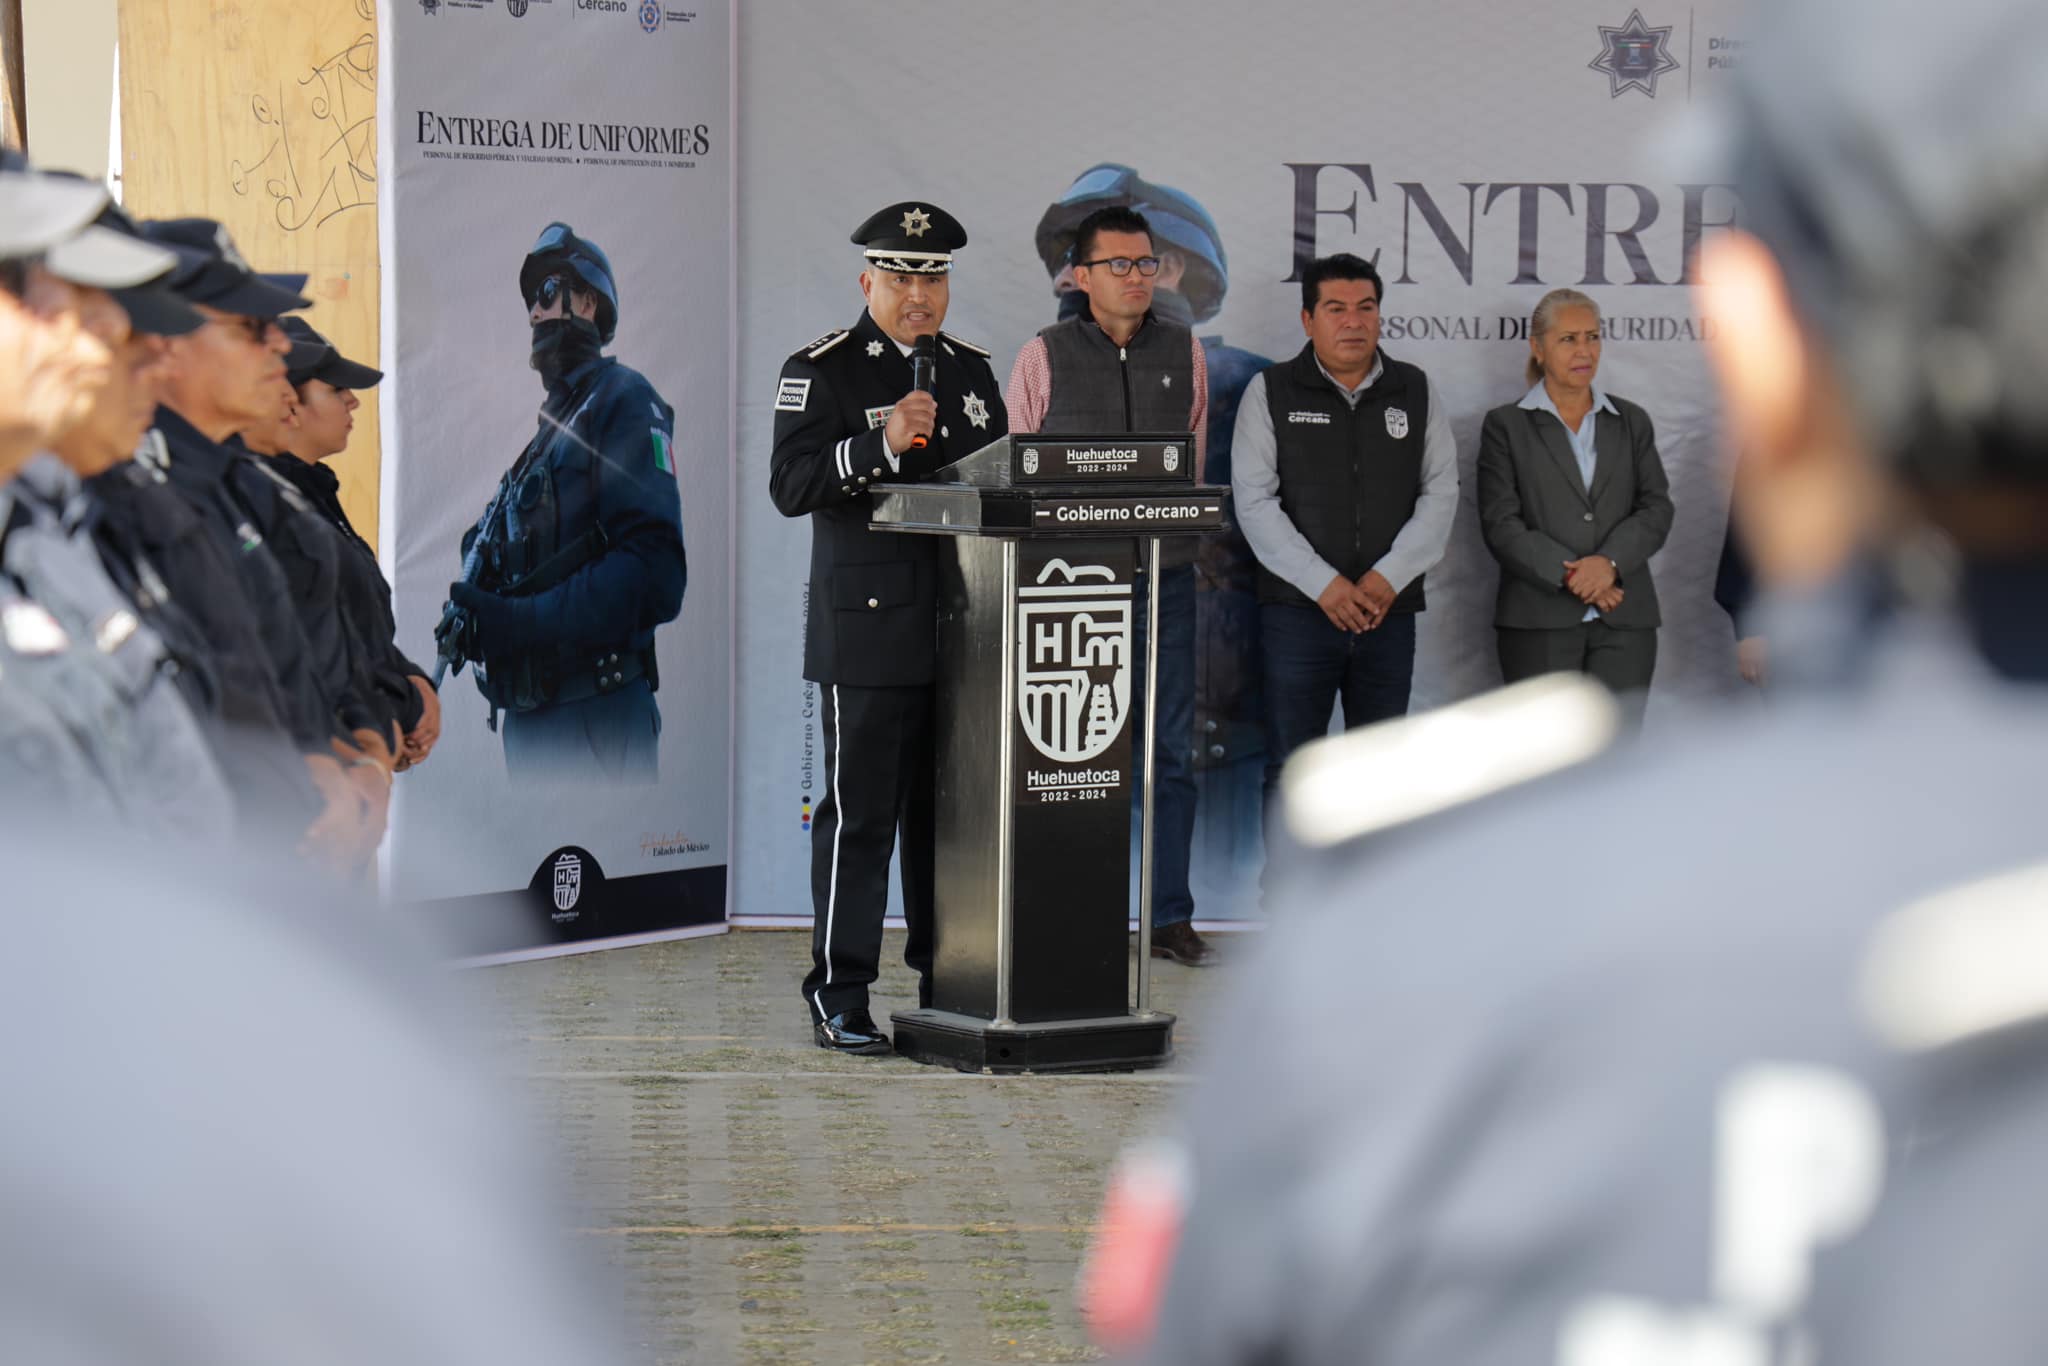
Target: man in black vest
{"x":1345,"y":479}
{"x":1119,"y":367}
{"x":847,"y":417}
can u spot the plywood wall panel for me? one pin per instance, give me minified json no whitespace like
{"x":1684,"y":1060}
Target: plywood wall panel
{"x":263,"y":114}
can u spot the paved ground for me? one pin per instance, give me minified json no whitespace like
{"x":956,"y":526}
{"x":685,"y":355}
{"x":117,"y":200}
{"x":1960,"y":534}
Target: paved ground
{"x":769,"y":1202}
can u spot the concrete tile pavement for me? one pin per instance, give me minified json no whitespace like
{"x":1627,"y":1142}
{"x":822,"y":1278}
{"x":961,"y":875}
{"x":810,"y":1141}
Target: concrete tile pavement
{"x":765,"y":1201}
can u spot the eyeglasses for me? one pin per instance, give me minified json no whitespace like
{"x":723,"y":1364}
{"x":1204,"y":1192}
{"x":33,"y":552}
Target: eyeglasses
{"x":1120,"y":266}
{"x":256,"y":330}
{"x":549,"y":293}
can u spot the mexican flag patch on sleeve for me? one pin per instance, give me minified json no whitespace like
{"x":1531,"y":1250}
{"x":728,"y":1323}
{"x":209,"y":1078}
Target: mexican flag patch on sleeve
{"x":664,"y":458}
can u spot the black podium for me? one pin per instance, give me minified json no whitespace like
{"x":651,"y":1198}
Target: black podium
{"x":1036,"y":683}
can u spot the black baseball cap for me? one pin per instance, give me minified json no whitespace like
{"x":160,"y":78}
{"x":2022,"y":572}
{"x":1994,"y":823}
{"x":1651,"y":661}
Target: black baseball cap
{"x":212,"y":272}
{"x":314,"y":357}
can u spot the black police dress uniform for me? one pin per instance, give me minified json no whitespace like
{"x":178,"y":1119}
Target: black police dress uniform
{"x":583,"y":556}
{"x":871,"y":638}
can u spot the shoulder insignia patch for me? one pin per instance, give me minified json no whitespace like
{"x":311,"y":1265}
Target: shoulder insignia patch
{"x":966,"y":345}
{"x":792,"y":395}
{"x":1383,"y":776}
{"x":826,"y":343}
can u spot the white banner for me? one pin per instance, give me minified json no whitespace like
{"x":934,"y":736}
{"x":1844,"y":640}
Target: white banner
{"x":1484,"y":153}
{"x":573,"y":158}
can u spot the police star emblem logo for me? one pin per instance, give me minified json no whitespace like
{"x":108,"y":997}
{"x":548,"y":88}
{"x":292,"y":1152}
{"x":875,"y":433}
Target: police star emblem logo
{"x":874,"y":348}
{"x":1634,"y":56}
{"x":917,"y":222}
{"x":976,"y":409}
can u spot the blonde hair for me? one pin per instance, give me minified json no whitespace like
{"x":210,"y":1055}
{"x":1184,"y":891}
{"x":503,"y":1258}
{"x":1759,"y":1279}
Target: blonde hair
{"x":1545,"y":317}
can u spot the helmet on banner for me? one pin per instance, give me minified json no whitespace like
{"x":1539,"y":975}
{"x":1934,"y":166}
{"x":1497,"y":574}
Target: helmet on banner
{"x":1178,"y":221}
{"x":1907,"y":205}
{"x":560,"y":248}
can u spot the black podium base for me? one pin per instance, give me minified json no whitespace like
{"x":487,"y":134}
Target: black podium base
{"x":1118,"y":1043}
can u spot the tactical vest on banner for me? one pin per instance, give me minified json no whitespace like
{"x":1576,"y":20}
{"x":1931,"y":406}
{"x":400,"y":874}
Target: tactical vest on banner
{"x":537,"y":539}
{"x":1145,"y":385}
{"x":1349,"y":476}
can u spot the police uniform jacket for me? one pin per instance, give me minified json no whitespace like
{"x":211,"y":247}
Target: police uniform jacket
{"x":585,"y":541}
{"x":100,"y":666}
{"x":162,"y":553}
{"x":197,"y":470}
{"x":364,"y":591}
{"x":872,"y":617}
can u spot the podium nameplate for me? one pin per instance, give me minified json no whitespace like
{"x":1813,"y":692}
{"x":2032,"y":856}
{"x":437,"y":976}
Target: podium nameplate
{"x":1029,"y":460}
{"x":1123,"y":460}
{"x":1139,"y":515}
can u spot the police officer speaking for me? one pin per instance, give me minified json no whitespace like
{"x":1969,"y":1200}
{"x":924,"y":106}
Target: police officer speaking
{"x":579,"y":555}
{"x":847,"y":416}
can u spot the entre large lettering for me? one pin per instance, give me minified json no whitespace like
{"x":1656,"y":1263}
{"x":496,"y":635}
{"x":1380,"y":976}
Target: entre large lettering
{"x":1437,"y":235}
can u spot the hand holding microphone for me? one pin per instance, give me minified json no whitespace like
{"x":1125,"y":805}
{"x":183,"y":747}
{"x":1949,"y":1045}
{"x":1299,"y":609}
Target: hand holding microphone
{"x":924,"y":378}
{"x":917,"y":412}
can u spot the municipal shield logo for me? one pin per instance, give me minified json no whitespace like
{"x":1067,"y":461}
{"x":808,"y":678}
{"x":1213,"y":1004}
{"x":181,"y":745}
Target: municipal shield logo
{"x":1172,"y":459}
{"x":1074,"y":660}
{"x":568,"y":882}
{"x":1031,"y":460}
{"x":1397,"y":423}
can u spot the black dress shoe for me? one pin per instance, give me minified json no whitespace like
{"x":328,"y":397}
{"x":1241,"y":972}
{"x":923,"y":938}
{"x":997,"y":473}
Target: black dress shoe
{"x":851,"y":1031}
{"x":1180,"y":943}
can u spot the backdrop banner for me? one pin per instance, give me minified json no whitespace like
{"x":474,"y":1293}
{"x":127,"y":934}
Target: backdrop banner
{"x":558,"y":245}
{"x":1481,"y":154}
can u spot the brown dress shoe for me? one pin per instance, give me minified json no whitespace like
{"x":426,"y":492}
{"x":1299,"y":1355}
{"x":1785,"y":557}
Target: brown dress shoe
{"x":1182,"y":945}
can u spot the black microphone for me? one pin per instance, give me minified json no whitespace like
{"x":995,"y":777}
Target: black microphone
{"x":924,"y":374}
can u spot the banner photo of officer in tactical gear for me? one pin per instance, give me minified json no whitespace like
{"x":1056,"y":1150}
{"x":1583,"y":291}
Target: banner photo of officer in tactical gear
{"x":557,"y":474}
{"x":1222,"y":140}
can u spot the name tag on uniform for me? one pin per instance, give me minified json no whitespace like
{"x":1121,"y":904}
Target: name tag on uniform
{"x":792,"y":396}
{"x":1309,"y":417}
{"x":878,"y":417}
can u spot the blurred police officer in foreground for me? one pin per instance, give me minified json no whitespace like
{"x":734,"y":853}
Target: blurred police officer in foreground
{"x":1634,"y":1118}
{"x":67,"y":731}
{"x":243,"y":1128}
{"x":104,"y":666}
{"x":847,"y":417}
{"x":578,"y":557}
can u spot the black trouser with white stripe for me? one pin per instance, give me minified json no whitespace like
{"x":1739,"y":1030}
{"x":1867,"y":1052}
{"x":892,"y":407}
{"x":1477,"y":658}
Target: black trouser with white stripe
{"x":878,"y":784}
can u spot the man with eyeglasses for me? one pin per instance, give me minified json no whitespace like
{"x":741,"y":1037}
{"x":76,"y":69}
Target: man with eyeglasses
{"x":1119,"y":367}
{"x":578,"y":557}
{"x":220,"y":380}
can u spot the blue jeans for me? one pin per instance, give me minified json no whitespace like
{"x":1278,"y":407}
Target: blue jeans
{"x":1173,"y":800}
{"x":1312,"y":664}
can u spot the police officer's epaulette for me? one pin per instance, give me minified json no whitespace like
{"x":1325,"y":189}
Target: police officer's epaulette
{"x":1954,"y":966}
{"x":826,"y":343}
{"x":965,"y":345}
{"x":1382,"y":776}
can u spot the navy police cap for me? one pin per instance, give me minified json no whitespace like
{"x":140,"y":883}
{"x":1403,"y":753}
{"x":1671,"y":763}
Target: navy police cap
{"x":911,"y":238}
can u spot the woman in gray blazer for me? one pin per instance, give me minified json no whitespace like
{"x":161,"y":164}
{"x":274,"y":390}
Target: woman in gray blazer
{"x":1573,"y":502}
